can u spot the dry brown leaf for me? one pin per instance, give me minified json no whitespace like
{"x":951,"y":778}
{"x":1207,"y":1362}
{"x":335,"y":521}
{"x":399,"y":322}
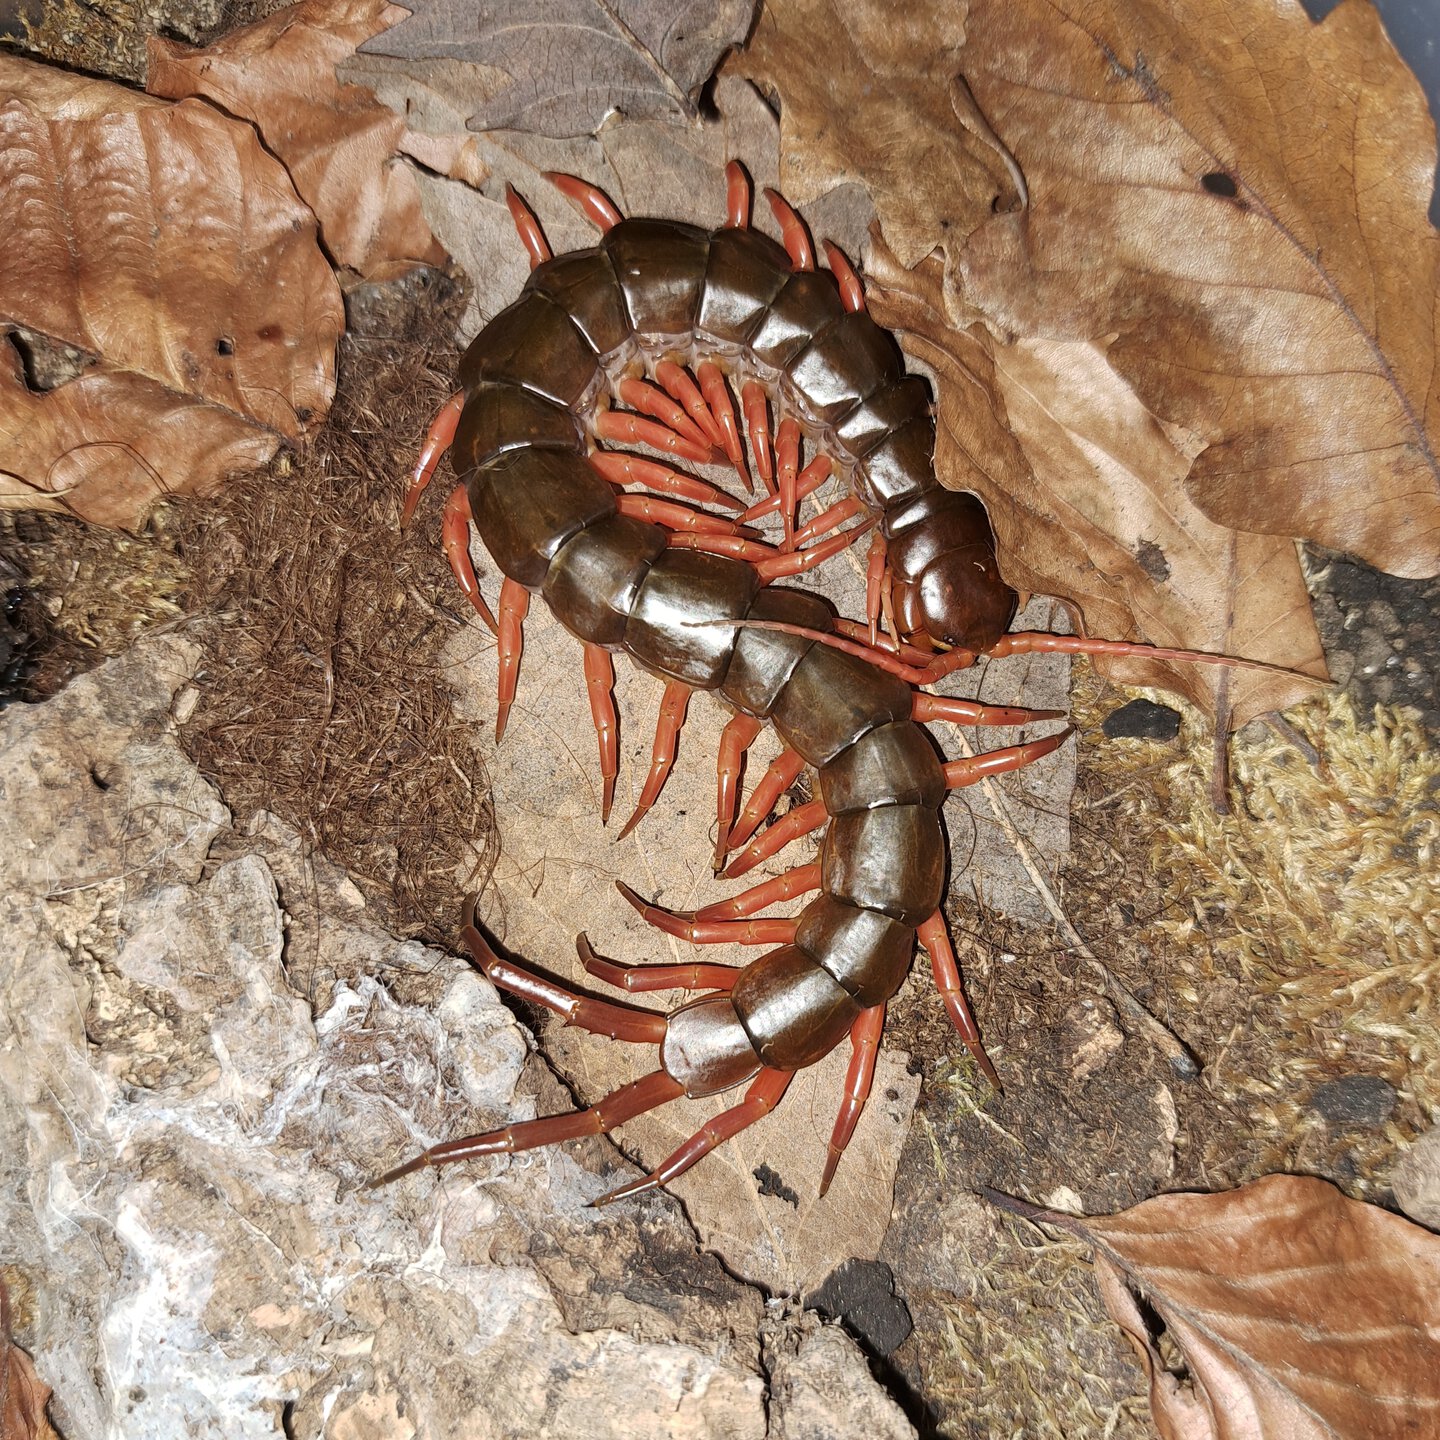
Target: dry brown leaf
{"x":1298,"y":1312}
{"x":1240,"y":196}
{"x":23,"y":1395}
{"x":337,"y":141}
{"x":875,"y":92}
{"x":1086,"y":490}
{"x":560,"y":67}
{"x":162,"y":241}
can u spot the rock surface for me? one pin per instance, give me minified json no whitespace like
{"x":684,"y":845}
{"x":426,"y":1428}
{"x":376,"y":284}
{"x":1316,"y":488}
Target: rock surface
{"x":207,"y":1047}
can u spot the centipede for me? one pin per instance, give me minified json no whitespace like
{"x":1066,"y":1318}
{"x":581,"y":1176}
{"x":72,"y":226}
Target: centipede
{"x":728,"y":348}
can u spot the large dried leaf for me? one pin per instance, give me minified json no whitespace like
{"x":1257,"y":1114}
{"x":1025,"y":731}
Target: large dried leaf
{"x":875,"y":92}
{"x":162,"y":241}
{"x":1298,"y":1312}
{"x":1240,"y":196}
{"x":337,"y":141}
{"x":559,"y":67}
{"x":1231,"y":198}
{"x":23,"y":1395}
{"x":1086,"y":490}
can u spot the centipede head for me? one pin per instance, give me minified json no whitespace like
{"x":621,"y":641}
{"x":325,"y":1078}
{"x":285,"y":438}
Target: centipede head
{"x":956,"y":597}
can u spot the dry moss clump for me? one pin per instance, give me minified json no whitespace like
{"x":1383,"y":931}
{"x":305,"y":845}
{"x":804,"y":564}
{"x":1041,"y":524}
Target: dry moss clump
{"x":1327,"y":872}
{"x":323,"y":698}
{"x":1291,"y":943}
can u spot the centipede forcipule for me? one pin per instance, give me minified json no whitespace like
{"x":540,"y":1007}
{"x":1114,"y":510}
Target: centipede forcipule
{"x":677,"y":323}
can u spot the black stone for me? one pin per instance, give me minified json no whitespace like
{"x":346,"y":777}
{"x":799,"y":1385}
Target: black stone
{"x":1354,"y":1101}
{"x":1142,"y":720}
{"x":860,"y":1294}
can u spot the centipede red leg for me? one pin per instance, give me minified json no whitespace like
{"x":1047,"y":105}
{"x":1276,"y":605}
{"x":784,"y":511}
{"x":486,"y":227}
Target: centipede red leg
{"x":514,"y":607}
{"x":532,"y":237}
{"x":737,"y":197}
{"x":787,"y":472}
{"x":615,"y":1109}
{"x":594,"y":204}
{"x":936,"y":941}
{"x":773,"y":931}
{"x":799,"y":880}
{"x":864,"y":1047}
{"x":620,"y":468}
{"x":657,"y":977}
{"x":852,"y":292}
{"x":650,"y":400}
{"x":874,"y":584}
{"x":833,"y":516}
{"x":974,"y":768}
{"x":970,"y":712}
{"x":739,"y":734}
{"x":810,"y":479}
{"x":673,"y":705}
{"x":757,"y":423}
{"x":777,"y":779}
{"x":793,"y":234}
{"x":800,"y":821}
{"x":674,"y":516}
{"x":797,"y":562}
{"x":455,"y":540}
{"x":600,"y":687}
{"x":438,"y":439}
{"x":620,"y":1022}
{"x":636,"y":430}
{"x":678,"y":385}
{"x":762,"y":1097}
{"x":717,"y":399}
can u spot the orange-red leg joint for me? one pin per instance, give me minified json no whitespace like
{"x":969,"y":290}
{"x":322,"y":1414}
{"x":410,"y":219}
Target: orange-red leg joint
{"x":971,"y":712}
{"x":959,"y":773}
{"x":620,"y":468}
{"x":600,"y":687}
{"x":932,"y":935}
{"x":800,"y":821}
{"x":677,"y":384}
{"x":514,"y":607}
{"x":852,"y":292}
{"x":532,"y":237}
{"x":717,"y":399}
{"x":635,"y":430}
{"x":437,"y":441}
{"x":737,"y":197}
{"x":673,"y":705}
{"x":455,"y":541}
{"x":793,"y":234}
{"x":738,"y":736}
{"x":777,"y":779}
{"x":760,"y":1099}
{"x":757,"y":423}
{"x":650,"y":400}
{"x":595,"y":205}
{"x":787,"y":474}
{"x":769,"y":931}
{"x":864,"y":1047}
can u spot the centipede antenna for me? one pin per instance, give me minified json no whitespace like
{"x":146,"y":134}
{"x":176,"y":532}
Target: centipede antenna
{"x":594,"y":204}
{"x":793,"y":234}
{"x":737,"y":197}
{"x":532,"y":237}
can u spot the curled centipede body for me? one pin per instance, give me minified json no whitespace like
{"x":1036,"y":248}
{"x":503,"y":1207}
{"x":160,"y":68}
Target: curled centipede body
{"x":676,"y":322}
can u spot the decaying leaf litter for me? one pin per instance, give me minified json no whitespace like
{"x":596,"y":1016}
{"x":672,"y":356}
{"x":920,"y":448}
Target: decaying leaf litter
{"x":790,"y":108}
